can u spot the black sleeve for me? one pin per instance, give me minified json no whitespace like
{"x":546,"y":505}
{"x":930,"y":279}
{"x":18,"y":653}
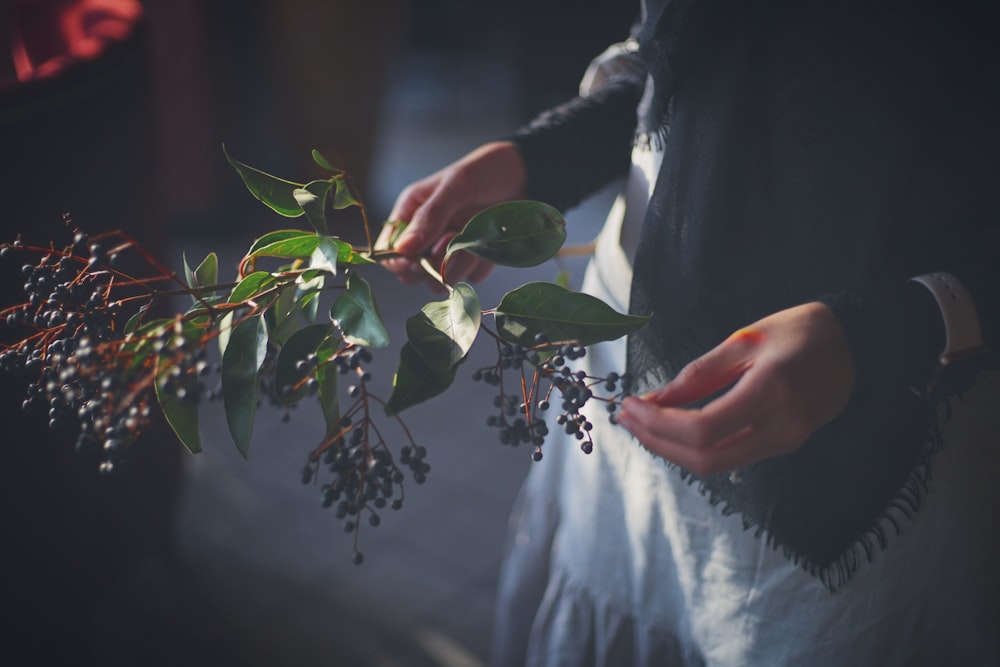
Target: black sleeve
{"x":897,"y":333}
{"x":573,"y":150}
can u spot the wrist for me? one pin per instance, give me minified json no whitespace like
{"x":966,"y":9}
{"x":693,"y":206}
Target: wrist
{"x":506,"y":162}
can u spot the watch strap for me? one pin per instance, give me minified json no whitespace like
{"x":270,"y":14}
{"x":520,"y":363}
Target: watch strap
{"x":963,"y":333}
{"x":961,"y":321}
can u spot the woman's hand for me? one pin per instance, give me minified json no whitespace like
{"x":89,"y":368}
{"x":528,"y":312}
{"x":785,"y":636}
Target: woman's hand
{"x":790,"y":373}
{"x":438,"y":206}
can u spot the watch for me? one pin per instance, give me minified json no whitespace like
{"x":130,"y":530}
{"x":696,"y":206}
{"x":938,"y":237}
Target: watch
{"x":959,"y":363}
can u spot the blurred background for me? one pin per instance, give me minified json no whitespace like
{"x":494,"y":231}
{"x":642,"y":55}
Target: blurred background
{"x":115,"y":111}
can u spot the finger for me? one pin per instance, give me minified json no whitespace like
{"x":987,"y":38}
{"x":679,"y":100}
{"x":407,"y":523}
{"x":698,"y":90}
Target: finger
{"x":698,"y":428}
{"x":713,"y":371}
{"x":428,"y":222}
{"x":697,"y":438}
{"x":740,"y":450}
{"x":411,"y":198}
{"x":649,"y":422}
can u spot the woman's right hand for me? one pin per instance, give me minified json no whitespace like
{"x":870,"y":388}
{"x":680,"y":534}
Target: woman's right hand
{"x":438,"y":207}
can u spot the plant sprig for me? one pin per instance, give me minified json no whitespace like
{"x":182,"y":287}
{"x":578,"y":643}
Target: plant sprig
{"x":97,"y":349}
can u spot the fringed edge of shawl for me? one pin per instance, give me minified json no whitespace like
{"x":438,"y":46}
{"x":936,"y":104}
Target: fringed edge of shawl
{"x":902,"y":507}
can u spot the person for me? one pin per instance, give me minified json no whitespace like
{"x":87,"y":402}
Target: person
{"x":802,"y":472}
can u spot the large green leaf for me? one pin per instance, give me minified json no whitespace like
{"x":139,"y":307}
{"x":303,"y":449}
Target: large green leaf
{"x":181,"y":412}
{"x":312,"y":199}
{"x":326,"y":384}
{"x":415,"y":381}
{"x":241,"y":362}
{"x":560,"y":314}
{"x":444,"y":331}
{"x":276,"y":193}
{"x":520,"y":233}
{"x":356,"y":315}
{"x":288,"y":244}
{"x":293,"y":366}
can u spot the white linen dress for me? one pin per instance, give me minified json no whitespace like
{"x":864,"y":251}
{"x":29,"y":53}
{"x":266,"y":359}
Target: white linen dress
{"x":613,"y":560}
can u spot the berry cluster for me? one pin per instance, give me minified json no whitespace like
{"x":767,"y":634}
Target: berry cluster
{"x":70,"y":350}
{"x":93,"y":358}
{"x":543,"y":375}
{"x":365,"y":477}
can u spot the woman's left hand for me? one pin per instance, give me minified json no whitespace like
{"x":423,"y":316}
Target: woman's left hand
{"x":783,"y":378}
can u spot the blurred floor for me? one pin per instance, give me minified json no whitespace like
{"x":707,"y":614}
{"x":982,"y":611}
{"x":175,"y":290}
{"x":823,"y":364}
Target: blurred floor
{"x":263,"y":573}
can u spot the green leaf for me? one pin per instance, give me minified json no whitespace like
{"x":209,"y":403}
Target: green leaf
{"x":331,"y":251}
{"x":292,"y":366}
{"x":188,"y":271}
{"x":135,"y":320}
{"x":251,"y":286}
{"x":397,"y":228}
{"x":290,"y":247}
{"x":201,"y":305}
{"x":562,"y":279}
{"x":415,"y":381}
{"x":274,"y":237}
{"x":181,"y":412}
{"x":140,"y":341}
{"x":241,"y":362}
{"x":309,"y":301}
{"x":356,"y":315}
{"x":444,"y":331}
{"x":342,"y":196}
{"x":207,"y":273}
{"x":225,"y":331}
{"x":283,"y":315}
{"x":276,"y":193}
{"x":326,"y":384}
{"x":349,"y":256}
{"x":321,"y":161}
{"x":560,"y":314}
{"x":326,"y":254}
{"x":312,"y":199}
{"x":520,"y":233}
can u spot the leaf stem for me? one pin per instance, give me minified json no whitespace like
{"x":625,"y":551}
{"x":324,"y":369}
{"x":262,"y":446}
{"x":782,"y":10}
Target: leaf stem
{"x":426,"y":265}
{"x":577,"y":250}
